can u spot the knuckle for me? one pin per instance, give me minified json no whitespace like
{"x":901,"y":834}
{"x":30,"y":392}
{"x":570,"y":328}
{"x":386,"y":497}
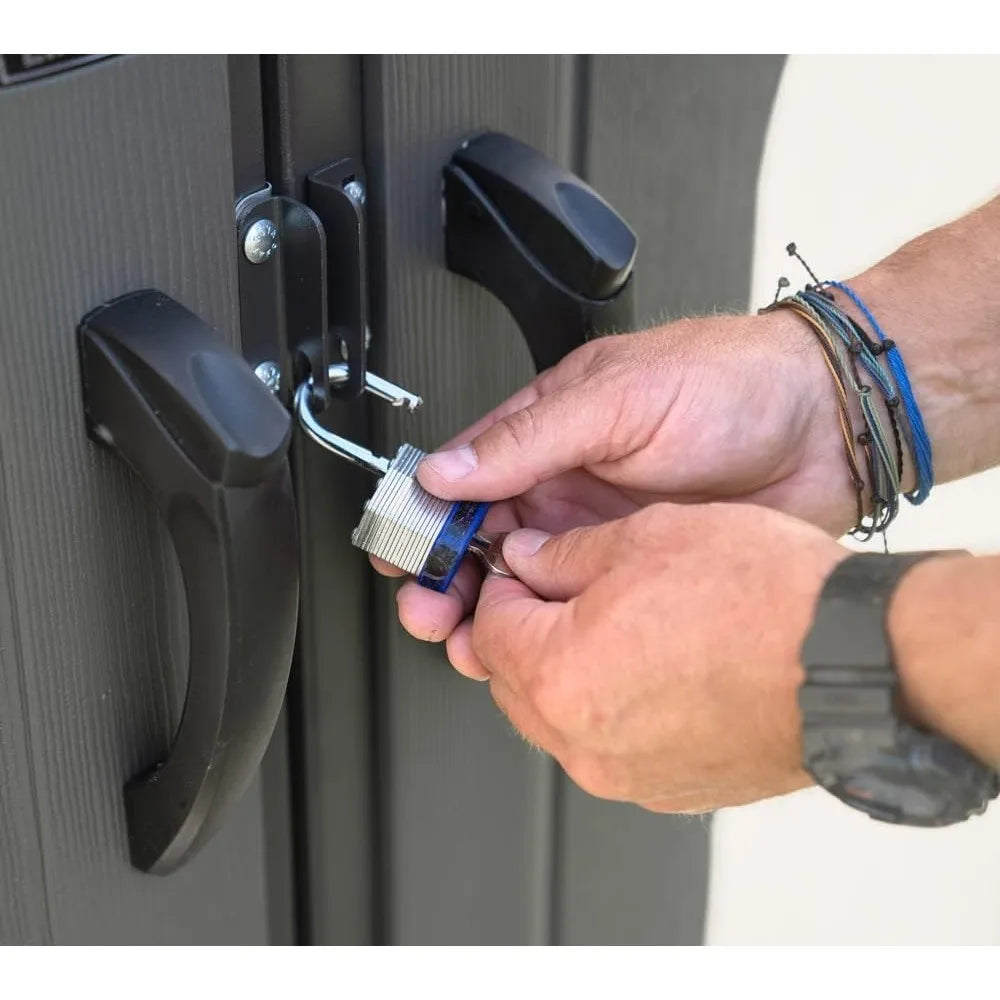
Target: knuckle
{"x":612,"y":360}
{"x":594,"y":547}
{"x":521,"y":427}
{"x":567,"y":549}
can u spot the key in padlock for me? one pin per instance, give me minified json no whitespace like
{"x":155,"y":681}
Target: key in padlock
{"x":402,"y":523}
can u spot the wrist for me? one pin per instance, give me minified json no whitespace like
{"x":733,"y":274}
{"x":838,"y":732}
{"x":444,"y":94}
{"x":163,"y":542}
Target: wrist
{"x":945,"y":638}
{"x":834,"y":501}
{"x":929,"y":298}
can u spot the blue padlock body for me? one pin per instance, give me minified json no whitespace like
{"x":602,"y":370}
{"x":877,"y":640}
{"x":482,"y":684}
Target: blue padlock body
{"x":449,"y":548}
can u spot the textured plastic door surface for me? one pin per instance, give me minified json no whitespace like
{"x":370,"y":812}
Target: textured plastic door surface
{"x":113,"y":177}
{"x":396,"y":804}
{"x":461,"y":833}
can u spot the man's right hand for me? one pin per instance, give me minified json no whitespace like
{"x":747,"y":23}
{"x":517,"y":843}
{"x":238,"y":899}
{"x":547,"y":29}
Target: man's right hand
{"x":731,"y":408}
{"x":742,"y":407}
{"x":721,"y":408}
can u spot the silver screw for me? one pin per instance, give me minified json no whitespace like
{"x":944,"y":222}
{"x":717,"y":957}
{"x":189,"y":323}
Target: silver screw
{"x":270,"y":374}
{"x":260,"y":241}
{"x":355,"y":190}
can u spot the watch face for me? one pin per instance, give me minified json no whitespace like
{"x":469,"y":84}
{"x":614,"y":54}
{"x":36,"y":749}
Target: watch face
{"x":891,"y":788}
{"x":924,"y":781}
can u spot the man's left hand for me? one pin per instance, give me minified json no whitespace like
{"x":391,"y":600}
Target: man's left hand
{"x":657,"y":657}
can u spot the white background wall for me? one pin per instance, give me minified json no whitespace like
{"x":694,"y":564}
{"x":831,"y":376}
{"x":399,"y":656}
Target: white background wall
{"x":862,"y":154}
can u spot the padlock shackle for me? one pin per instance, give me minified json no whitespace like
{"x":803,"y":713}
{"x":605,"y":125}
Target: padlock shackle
{"x":355,"y":453}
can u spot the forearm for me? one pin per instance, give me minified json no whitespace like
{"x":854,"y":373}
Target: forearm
{"x":938,"y":297}
{"x":944,"y":623}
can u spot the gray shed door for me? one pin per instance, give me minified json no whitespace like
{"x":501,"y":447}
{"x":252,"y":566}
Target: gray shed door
{"x":396,"y":805}
{"x":114,"y":177}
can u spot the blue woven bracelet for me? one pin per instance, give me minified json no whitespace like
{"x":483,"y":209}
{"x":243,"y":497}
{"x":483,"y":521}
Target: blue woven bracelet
{"x":922,"y":455}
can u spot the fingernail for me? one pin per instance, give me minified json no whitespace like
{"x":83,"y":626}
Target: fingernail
{"x":524,"y":542}
{"x":454,"y":464}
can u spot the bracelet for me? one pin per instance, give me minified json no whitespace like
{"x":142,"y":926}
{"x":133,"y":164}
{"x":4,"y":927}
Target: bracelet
{"x":921,"y":444}
{"x":884,"y":471}
{"x":832,"y":361}
{"x":859,"y":362}
{"x":885,"y":463}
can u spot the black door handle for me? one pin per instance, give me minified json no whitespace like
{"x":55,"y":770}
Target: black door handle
{"x":185,"y":411}
{"x":547,"y":245}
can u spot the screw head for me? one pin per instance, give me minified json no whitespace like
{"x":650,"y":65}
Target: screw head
{"x":355,"y":190}
{"x":260,"y":241}
{"x":270,"y":374}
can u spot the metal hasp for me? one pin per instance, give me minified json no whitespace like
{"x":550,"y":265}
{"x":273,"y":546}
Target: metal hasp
{"x":336,"y":194}
{"x":164,"y":392}
{"x":303,"y":280}
{"x":282,"y":274}
{"x":557,"y":255}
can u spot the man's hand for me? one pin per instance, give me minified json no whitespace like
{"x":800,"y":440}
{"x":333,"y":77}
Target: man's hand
{"x":732,"y":407}
{"x":723,"y":407}
{"x":656,"y":652}
{"x":656,"y":657}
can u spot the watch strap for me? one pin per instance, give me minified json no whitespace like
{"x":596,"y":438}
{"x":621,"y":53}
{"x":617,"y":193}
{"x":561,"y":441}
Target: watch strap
{"x":854,"y":742}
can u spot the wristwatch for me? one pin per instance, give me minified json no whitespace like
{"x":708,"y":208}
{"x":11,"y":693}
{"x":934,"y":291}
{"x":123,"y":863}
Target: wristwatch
{"x":855,"y":744}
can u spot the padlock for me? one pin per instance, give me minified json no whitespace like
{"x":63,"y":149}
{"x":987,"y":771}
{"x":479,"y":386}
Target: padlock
{"x":402,"y":523}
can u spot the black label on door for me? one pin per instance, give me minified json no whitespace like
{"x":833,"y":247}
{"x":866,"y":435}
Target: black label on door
{"x":19,"y":69}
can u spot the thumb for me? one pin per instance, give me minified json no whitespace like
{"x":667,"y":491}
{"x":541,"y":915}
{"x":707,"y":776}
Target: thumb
{"x":559,"y":567}
{"x":558,"y":432}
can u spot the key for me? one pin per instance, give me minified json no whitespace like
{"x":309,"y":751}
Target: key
{"x":488,"y":545}
{"x":402,"y":523}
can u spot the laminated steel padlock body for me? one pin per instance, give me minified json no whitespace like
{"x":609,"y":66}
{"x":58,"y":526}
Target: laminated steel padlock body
{"x":402,"y":523}
{"x":414,"y":531}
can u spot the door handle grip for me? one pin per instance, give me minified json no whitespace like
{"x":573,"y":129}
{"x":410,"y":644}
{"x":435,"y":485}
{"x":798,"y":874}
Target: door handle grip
{"x":186,"y":413}
{"x":557,"y":255}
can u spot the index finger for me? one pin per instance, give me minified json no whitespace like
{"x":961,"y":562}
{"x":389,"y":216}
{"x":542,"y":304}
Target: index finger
{"x":545,"y":382}
{"x":522,"y":398}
